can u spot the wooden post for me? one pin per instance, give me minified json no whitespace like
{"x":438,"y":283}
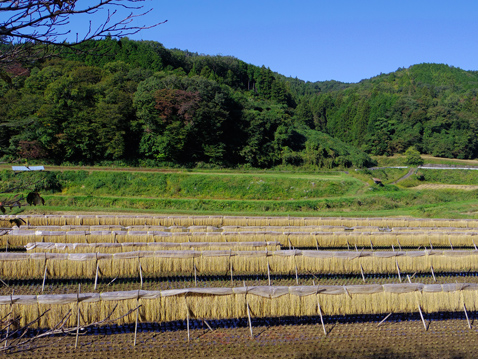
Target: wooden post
{"x":371,"y":245}
{"x":451,"y":246}
{"x":77,"y":315}
{"x":249,"y":318}
{"x":348,"y":246}
{"x":466,"y":315}
{"x":204,"y":321}
{"x":140,"y":274}
{"x":423,"y":319}
{"x":361,"y":270}
{"x":346,"y":291}
{"x":316,"y":242}
{"x":11,"y":314}
{"x":296,"y":275}
{"x":290,"y":244}
{"x":232,"y":278}
{"x":268,"y":273}
{"x":398,"y":270}
{"x":409,"y":280}
{"x":44,"y":277}
{"x":96,"y":276}
{"x":195,"y":276}
{"x":321,"y":318}
{"x":187,"y":319}
{"x":136,"y":322}
{"x":393,"y":248}
{"x":383,"y":320}
{"x":474,"y":245}
{"x":431,"y":246}
{"x":433,"y":273}
{"x":356,"y":250}
{"x":399,"y":245}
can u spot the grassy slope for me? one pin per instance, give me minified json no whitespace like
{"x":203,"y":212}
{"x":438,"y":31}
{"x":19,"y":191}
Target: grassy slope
{"x":263,"y":193}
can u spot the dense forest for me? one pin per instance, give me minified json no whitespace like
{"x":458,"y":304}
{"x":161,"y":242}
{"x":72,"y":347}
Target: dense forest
{"x":137,"y":103}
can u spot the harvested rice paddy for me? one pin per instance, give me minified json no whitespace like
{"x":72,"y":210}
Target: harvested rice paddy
{"x":271,"y":304}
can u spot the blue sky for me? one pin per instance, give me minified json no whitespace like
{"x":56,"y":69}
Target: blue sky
{"x":343,"y":40}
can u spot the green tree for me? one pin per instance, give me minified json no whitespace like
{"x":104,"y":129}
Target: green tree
{"x":413,"y":157}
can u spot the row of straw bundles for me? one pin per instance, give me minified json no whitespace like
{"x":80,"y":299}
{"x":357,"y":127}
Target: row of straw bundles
{"x":281,"y":229}
{"x":430,"y":239}
{"x":167,"y":263}
{"x":218,"y":221}
{"x":49,"y":247}
{"x":229,"y":303}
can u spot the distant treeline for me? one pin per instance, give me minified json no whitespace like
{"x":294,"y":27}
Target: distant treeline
{"x":137,"y":103}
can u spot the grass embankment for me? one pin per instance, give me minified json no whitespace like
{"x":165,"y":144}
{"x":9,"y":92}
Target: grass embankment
{"x":258,"y":193}
{"x":401,"y":160}
{"x":442,"y":176}
{"x":398,"y":203}
{"x":238,"y":186}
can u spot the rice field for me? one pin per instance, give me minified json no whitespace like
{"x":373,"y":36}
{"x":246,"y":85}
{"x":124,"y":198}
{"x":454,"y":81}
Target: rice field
{"x":246,"y":275}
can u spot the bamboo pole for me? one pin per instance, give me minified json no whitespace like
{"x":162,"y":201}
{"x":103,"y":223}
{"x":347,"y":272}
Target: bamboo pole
{"x":195,"y":276}
{"x":205,"y":321}
{"x":96,"y":276}
{"x":187,"y":318}
{"x":140,"y":274}
{"x":398,"y":270}
{"x":423,"y":319}
{"x":77,"y":315}
{"x":383,"y":320}
{"x":11,"y":315}
{"x":44,"y":277}
{"x":136,"y":322}
{"x":346,"y":291}
{"x":321,"y":318}
{"x":249,"y":318}
{"x":466,"y":315}
{"x":361,"y":270}
{"x":433,"y":274}
{"x":268,"y":273}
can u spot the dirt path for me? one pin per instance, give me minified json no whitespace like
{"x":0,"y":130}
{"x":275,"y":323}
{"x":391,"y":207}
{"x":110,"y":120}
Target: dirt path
{"x":412,"y":170}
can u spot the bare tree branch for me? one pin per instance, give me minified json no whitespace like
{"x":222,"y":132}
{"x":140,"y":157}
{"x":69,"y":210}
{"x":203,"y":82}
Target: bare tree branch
{"x":26,"y":24}
{"x":16,"y":343}
{"x":42,"y":21}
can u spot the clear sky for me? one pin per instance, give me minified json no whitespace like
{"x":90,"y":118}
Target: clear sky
{"x":317,"y":40}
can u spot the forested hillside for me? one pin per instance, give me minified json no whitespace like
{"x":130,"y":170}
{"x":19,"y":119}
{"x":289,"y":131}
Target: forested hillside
{"x":432,"y":107}
{"x":137,"y":103}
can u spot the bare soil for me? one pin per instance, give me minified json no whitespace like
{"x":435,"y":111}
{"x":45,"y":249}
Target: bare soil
{"x":401,"y":337}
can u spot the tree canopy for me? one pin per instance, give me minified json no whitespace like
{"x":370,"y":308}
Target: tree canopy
{"x":143,"y":104}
